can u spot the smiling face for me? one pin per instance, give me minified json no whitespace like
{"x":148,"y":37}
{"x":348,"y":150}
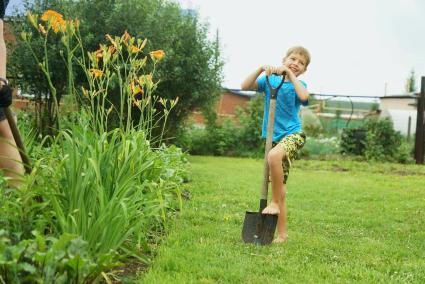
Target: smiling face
{"x":297,"y":62}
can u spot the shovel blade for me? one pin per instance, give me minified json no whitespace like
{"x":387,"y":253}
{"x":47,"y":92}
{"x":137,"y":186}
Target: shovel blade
{"x":259,"y":228}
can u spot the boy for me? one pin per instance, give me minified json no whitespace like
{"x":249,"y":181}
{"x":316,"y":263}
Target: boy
{"x":287,"y":132}
{"x":10,"y":160}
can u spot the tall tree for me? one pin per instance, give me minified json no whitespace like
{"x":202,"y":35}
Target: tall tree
{"x":411,"y":82}
{"x":192,"y":67}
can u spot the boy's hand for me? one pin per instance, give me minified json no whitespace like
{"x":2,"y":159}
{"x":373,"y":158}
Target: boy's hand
{"x":279,"y":70}
{"x":289,"y":73}
{"x":273,"y":70}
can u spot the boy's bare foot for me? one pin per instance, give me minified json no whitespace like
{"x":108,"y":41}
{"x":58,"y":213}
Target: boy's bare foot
{"x":279,"y":240}
{"x":272,"y":209}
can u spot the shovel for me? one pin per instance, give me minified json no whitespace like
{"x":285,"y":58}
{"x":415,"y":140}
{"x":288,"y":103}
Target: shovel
{"x":18,"y":139}
{"x":259,"y":228}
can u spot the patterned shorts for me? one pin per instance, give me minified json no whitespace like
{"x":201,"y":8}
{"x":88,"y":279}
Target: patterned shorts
{"x":291,"y":144}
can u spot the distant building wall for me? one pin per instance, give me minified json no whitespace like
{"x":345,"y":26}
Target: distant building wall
{"x":402,"y":111}
{"x":8,"y":35}
{"x":226,"y":107}
{"x":403,"y":120}
{"x":400,"y":103}
{"x":229,"y":102}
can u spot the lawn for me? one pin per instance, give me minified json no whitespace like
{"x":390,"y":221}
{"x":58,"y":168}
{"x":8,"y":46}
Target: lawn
{"x":348,"y":222}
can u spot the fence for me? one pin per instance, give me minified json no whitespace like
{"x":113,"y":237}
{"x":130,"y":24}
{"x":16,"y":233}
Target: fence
{"x":420,"y":125}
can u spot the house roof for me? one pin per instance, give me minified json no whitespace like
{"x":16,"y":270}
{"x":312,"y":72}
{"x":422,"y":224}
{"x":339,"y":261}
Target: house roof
{"x":400,"y":96}
{"x":367,"y":99}
{"x":240,"y":92}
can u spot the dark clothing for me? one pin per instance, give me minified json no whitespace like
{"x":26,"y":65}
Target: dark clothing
{"x":3,"y":5}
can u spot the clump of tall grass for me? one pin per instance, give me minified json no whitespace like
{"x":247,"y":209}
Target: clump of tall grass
{"x":106,"y":187}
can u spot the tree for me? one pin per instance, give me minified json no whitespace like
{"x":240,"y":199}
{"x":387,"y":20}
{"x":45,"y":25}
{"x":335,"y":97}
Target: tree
{"x":411,"y":82}
{"x":191,"y":69}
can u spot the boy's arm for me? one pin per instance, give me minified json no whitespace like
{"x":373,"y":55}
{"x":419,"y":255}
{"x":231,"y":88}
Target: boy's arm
{"x":250,"y":83}
{"x":301,"y":91}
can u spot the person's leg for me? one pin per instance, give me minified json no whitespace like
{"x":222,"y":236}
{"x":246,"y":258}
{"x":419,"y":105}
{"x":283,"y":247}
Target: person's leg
{"x":274,"y":159}
{"x":2,"y":52}
{"x":282,"y":219}
{"x":290,"y":145}
{"x":10,"y":160}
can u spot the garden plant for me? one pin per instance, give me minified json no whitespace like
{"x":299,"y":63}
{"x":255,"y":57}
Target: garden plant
{"x":98,"y":195}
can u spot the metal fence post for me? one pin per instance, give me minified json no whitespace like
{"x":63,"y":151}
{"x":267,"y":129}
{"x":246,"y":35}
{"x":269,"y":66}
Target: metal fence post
{"x":420,"y":125}
{"x":409,"y":123}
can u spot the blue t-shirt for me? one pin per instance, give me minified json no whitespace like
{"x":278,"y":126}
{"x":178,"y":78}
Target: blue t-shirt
{"x":287,"y":120}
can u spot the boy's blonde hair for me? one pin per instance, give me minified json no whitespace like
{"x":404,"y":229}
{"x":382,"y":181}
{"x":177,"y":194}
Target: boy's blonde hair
{"x":300,"y":50}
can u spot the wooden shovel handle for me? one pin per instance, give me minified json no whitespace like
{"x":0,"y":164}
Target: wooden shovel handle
{"x":270,"y":124}
{"x":18,"y":139}
{"x":269,"y":139}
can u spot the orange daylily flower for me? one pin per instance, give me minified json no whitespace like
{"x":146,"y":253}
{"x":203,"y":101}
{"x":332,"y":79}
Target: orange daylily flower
{"x":50,"y":14}
{"x":99,"y":54}
{"x":96,"y":72}
{"x":134,"y":49}
{"x":59,"y":25}
{"x":55,"y":19}
{"x":111,"y":49}
{"x":157,"y":54}
{"x":135,"y":89}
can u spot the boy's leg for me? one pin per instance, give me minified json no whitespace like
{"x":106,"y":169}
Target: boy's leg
{"x":274,"y":159}
{"x":281,"y":221}
{"x":290,"y":145}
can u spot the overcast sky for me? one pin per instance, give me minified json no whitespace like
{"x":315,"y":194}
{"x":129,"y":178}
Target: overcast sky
{"x":358,"y":46}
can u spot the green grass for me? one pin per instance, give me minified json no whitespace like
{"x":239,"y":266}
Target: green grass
{"x":349,"y":222}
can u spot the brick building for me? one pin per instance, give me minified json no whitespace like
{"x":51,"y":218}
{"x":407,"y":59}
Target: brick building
{"x":226,"y":107}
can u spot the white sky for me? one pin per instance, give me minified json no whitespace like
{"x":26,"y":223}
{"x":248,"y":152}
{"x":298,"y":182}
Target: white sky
{"x":357,"y":46}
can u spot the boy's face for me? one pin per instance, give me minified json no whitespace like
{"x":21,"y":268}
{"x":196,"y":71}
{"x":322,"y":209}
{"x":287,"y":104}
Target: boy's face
{"x":296,"y":62}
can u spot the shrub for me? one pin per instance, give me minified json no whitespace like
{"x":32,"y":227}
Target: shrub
{"x":66,"y":259}
{"x":226,"y":138}
{"x":382,"y":141}
{"x":312,"y":125}
{"x":320,"y":147}
{"x":353,"y":141}
{"x":376,"y":141}
{"x":94,"y":194}
{"x":251,"y":120}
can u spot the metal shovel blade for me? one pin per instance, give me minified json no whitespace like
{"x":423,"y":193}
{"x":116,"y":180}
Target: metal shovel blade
{"x":259,"y":228}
